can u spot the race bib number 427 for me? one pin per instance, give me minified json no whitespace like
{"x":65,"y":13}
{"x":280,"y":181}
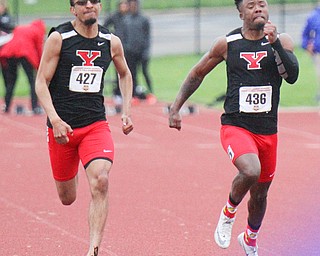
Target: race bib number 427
{"x":85,"y":79}
{"x":255,"y":99}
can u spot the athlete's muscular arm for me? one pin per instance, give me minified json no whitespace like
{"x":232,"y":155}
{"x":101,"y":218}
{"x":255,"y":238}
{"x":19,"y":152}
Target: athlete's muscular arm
{"x":287,"y":62}
{"x":125,"y":82}
{"x":48,"y":65}
{"x":208,"y":62}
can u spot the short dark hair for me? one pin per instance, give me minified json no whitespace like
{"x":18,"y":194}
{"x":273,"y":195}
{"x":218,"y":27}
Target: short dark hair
{"x":237,"y":3}
{"x":71,"y":3}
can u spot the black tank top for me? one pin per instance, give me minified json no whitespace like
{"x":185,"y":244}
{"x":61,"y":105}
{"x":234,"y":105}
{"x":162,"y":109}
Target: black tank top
{"x":77,"y":85}
{"x":253,"y":90}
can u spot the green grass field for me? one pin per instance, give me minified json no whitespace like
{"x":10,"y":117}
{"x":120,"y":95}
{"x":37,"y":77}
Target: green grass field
{"x":169,"y":72}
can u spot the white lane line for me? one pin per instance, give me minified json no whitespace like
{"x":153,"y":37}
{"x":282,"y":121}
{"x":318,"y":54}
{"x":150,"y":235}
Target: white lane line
{"x":297,"y":132}
{"x":36,"y":217}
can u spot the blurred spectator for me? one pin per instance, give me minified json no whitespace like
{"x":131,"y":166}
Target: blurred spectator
{"x":7,"y":23}
{"x":24,"y":48}
{"x":137,"y":47}
{"x":115,"y":23}
{"x":311,"y":41}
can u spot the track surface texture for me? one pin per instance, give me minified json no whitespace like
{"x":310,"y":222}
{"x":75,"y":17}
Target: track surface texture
{"x":166,"y":189}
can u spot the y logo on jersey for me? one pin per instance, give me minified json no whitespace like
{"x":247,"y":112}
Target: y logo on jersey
{"x":253,"y":59}
{"x":88,"y":57}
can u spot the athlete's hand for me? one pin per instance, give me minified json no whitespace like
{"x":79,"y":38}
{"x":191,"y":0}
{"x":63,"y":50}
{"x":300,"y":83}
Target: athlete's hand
{"x":61,"y":131}
{"x":127,"y":125}
{"x":174,"y":119}
{"x":271,"y":31}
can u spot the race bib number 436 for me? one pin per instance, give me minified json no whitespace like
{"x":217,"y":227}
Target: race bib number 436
{"x":255,"y":99}
{"x":85,"y":79}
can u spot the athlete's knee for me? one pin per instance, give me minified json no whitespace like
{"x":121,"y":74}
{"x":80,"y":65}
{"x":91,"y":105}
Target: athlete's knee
{"x":252,"y":173}
{"x":67,"y":199}
{"x":67,"y":193}
{"x":98,"y":175}
{"x":101,"y":183}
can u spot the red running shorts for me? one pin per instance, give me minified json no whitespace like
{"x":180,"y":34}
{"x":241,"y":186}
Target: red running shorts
{"x":87,"y":144}
{"x":237,"y":141}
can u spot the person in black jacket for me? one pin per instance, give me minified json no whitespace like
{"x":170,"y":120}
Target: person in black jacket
{"x":7,"y":23}
{"x":115,"y":23}
{"x":137,"y":46}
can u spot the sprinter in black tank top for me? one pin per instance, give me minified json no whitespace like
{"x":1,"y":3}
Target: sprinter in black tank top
{"x":77,"y":108}
{"x":69,"y":85}
{"x":257,"y":59}
{"x":251,"y":63}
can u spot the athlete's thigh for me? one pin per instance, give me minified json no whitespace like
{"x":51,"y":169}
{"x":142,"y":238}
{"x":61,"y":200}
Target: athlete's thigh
{"x":237,"y":142}
{"x":97,"y":143}
{"x":64,"y":159}
{"x":267,"y":146}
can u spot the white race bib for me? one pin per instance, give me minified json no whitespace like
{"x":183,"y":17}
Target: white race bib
{"x":255,"y":99}
{"x":85,"y":79}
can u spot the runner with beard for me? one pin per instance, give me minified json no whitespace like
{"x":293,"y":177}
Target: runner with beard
{"x":69,"y":85}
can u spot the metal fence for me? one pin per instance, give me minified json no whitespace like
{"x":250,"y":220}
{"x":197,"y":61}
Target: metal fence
{"x":194,"y":30}
{"x":190,"y":30}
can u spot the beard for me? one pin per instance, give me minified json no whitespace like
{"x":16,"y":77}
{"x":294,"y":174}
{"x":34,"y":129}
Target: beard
{"x":90,"y":22}
{"x":257,"y":26}
{"x":260,"y":26}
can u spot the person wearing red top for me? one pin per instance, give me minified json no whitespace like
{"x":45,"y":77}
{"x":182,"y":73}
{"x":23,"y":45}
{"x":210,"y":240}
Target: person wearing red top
{"x":24,"y":48}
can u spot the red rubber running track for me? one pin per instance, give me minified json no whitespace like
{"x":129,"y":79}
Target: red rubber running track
{"x":166,"y":190}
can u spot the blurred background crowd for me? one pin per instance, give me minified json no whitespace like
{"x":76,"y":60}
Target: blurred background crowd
{"x":147,"y":28}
